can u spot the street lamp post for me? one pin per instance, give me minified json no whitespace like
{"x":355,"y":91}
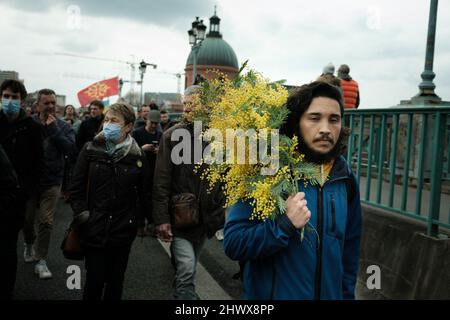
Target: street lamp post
{"x":427,"y":86}
{"x":196,"y":36}
{"x":142,"y":68}
{"x":120,"y":87}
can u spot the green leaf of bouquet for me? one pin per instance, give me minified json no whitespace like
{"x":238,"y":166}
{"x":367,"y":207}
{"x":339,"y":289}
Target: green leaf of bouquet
{"x":281,"y":205}
{"x":308,"y":172}
{"x":277,"y":116}
{"x":243,"y":66}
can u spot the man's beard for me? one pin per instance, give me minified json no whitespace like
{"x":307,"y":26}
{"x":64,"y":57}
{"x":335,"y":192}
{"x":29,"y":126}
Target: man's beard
{"x":317,"y":157}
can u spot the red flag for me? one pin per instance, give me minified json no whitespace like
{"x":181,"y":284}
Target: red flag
{"x":99,"y":90}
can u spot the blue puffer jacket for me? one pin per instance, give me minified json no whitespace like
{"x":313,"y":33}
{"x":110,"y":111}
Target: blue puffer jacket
{"x":278,"y":265}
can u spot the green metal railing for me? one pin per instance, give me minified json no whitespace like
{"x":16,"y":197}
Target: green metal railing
{"x":175,"y":116}
{"x":401,"y":158}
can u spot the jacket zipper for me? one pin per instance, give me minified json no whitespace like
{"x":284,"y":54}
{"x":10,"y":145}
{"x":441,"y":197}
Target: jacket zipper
{"x":108,"y":222}
{"x":318,"y":278}
{"x":274,"y":280}
{"x":333,"y":215}
{"x":108,"y":226}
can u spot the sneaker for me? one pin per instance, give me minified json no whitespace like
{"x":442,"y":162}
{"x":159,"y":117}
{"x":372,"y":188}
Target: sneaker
{"x":41,"y":270}
{"x":219,"y":235}
{"x":28,"y":253}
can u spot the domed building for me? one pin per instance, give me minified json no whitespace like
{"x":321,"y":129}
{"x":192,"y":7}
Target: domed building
{"x":213,"y":54}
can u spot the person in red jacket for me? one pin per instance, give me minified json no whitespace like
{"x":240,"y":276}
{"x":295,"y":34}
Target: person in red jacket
{"x":350,"y":88}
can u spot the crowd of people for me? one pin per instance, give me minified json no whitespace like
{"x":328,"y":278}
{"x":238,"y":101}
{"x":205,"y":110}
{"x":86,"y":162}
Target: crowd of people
{"x":114,"y":167}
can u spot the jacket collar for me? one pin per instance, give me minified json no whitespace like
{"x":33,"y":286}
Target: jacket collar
{"x":340,"y":169}
{"x":22,"y":116}
{"x":99,"y":145}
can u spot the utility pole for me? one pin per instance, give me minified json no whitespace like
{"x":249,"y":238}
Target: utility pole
{"x":427,"y":86}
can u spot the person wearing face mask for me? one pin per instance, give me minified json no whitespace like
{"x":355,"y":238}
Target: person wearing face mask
{"x":111,"y":186}
{"x":90,"y":127}
{"x":21,"y":139}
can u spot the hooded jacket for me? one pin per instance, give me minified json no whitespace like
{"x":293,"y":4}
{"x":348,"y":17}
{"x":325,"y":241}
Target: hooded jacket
{"x":279,"y":265}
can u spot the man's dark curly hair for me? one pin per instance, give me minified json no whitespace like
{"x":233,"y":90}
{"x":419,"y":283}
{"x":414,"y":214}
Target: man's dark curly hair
{"x":15,"y":86}
{"x":300,"y":100}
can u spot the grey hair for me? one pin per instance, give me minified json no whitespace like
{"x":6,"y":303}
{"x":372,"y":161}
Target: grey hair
{"x":192,"y":90}
{"x":124,"y":110}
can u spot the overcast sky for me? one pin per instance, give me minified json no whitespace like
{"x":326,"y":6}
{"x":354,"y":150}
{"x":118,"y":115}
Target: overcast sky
{"x":383,"y":41}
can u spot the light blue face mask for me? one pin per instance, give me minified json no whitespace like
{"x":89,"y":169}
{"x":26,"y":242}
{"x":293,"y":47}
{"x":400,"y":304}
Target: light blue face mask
{"x":11,"y":107}
{"x":112,"y":132}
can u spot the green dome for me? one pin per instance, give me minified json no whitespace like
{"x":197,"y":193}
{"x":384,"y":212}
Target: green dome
{"x":214,"y":51}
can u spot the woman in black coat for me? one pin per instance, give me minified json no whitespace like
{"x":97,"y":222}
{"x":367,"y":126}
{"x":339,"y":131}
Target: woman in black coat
{"x":110,"y":185}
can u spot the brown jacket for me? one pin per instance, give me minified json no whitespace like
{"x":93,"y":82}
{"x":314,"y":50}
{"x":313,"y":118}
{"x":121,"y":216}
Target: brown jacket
{"x":172,"y":179}
{"x":329,"y":78}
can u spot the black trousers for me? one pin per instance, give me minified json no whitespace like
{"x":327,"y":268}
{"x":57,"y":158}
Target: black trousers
{"x":9,"y":231}
{"x":8,"y":262}
{"x":105,"y":272}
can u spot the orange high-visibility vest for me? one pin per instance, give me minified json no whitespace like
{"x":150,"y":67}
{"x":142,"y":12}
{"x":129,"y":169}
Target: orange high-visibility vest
{"x":350,"y":90}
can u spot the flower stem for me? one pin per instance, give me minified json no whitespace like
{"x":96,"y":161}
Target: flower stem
{"x":302,"y":230}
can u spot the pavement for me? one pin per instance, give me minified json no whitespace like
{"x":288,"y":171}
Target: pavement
{"x":149,"y":274}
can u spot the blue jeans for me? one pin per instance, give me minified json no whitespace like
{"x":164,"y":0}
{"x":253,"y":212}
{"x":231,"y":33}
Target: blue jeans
{"x":184,"y":257}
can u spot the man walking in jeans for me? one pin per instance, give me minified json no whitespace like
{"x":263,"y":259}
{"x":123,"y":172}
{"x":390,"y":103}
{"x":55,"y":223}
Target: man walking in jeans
{"x":59,"y":140}
{"x":171,"y":180}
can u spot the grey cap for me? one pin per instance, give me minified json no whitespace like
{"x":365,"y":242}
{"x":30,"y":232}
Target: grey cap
{"x":328,"y":69}
{"x":154,"y":116}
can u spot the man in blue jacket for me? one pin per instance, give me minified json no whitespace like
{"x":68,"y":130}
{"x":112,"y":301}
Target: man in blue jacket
{"x":59,"y":141}
{"x":277,"y":264}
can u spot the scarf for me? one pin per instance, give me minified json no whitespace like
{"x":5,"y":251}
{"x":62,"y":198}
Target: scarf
{"x":120,"y":150}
